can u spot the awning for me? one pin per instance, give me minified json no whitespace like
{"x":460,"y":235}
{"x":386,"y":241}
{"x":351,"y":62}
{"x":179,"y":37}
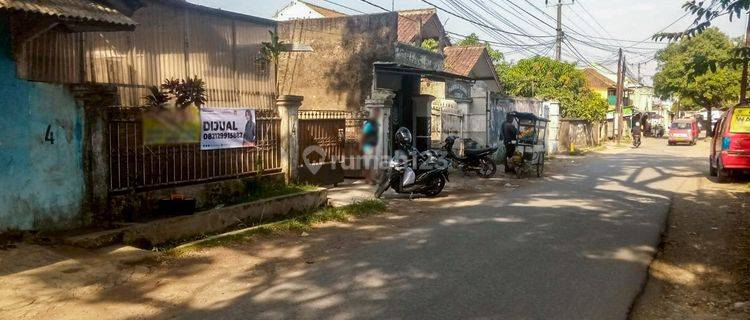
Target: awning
{"x":394,"y":68}
{"x":87,"y":11}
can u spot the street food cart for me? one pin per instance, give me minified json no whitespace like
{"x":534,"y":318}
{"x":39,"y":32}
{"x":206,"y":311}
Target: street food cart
{"x":530,"y":144}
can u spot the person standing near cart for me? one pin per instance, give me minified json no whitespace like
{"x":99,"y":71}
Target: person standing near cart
{"x":510,"y":134}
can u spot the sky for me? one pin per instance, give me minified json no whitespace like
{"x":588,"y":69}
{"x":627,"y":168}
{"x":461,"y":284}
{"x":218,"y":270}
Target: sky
{"x":592,"y":39}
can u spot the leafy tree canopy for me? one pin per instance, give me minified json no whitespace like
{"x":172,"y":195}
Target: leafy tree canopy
{"x":473,"y":40}
{"x":430,"y":44}
{"x":684,"y":71}
{"x":545,"y":78}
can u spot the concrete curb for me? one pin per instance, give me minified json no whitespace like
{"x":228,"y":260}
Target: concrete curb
{"x":217,"y":220}
{"x":162,"y":231}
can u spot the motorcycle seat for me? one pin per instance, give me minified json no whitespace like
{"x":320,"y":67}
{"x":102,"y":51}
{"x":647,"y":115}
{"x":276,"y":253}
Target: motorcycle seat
{"x":474,"y":152}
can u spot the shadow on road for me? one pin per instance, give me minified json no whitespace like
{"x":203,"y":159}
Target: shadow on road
{"x":571,"y":245}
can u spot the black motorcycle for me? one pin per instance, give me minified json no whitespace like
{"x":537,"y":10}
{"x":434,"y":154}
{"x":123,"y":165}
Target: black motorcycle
{"x":412,"y":172}
{"x":474,"y":160}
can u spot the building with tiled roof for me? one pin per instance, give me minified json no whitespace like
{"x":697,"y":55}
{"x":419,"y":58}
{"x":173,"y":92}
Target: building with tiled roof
{"x":304,"y":10}
{"x":473,"y":62}
{"x":414,"y":26}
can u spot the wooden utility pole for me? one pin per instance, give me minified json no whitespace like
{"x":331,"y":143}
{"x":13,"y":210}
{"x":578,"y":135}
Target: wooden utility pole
{"x":617,"y":121}
{"x":639,"y":73}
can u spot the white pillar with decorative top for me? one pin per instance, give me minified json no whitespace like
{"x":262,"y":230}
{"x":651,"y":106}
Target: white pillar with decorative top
{"x":288,"y":107}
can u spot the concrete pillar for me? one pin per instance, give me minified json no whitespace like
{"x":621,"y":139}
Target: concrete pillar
{"x":381,"y":103}
{"x":288,"y":107}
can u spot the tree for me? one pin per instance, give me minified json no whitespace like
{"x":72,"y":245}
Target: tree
{"x":684,"y":72}
{"x":548,"y":79}
{"x":271,"y":51}
{"x":705,"y":12}
{"x":498,"y":60}
{"x":430,"y":44}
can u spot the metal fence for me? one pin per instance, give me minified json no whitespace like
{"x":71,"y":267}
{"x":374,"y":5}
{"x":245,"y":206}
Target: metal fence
{"x":136,"y":166}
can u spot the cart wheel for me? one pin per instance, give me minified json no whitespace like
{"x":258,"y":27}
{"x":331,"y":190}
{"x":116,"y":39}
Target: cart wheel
{"x":539,"y":170}
{"x":517,"y":171}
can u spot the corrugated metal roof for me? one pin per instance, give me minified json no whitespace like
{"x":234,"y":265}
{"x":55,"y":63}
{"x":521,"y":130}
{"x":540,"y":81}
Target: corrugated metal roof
{"x":69,"y":9}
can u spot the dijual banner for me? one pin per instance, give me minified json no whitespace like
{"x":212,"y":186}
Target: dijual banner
{"x":227,"y":128}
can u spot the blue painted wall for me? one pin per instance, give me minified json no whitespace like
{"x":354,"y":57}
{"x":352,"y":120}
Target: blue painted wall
{"x":41,"y":184}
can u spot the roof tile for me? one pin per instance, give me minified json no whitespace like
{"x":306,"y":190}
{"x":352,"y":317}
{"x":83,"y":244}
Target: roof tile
{"x":462,"y":59}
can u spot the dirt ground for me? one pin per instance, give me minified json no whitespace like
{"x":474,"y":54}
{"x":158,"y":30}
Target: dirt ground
{"x":702,"y":270}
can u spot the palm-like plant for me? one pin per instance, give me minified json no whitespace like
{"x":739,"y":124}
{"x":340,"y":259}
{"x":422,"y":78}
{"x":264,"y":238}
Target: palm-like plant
{"x":271,"y":51}
{"x":190,"y":91}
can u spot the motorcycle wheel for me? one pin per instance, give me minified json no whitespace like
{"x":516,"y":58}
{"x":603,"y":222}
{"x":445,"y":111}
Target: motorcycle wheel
{"x":436,"y":187}
{"x":383,"y":184}
{"x":487,"y":168}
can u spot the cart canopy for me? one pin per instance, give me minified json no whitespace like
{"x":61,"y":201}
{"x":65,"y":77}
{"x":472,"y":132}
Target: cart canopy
{"x":526,"y":116}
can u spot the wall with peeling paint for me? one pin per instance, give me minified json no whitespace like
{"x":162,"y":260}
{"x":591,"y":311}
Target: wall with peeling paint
{"x":42,"y":182}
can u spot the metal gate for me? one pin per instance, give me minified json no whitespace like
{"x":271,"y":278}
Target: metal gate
{"x":322,"y":136}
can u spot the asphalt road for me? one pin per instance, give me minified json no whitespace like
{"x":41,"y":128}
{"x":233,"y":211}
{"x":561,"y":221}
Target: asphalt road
{"x":575,"y":245}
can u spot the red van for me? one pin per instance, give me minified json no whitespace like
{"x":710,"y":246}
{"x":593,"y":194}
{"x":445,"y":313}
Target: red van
{"x":683,"y":130}
{"x":730,"y":149}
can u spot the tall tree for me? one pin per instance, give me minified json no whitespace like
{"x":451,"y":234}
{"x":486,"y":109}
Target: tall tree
{"x":545,"y":78}
{"x":685,"y":71}
{"x":705,"y":13}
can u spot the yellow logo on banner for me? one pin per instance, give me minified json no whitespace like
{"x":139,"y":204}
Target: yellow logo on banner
{"x":171,"y":126}
{"x":740,"y":121}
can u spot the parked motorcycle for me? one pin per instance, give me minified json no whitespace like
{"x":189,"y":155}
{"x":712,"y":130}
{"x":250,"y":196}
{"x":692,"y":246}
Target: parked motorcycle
{"x":410,"y":171}
{"x":474,"y":160}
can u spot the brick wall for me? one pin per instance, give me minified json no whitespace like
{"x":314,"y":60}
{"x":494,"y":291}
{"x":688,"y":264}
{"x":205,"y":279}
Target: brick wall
{"x":338,"y":74}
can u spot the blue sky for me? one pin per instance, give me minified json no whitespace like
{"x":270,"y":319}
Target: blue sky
{"x":618,"y":19}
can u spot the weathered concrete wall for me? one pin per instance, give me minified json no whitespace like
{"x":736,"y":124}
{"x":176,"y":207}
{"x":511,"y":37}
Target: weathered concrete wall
{"x":42,"y":182}
{"x":338,"y":74}
{"x":576,"y":133}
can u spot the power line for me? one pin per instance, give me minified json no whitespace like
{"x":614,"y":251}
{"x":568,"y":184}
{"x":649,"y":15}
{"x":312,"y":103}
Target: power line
{"x":343,"y":6}
{"x":502,"y":43}
{"x":375,"y":5}
{"x":492,"y":27}
{"x":482,"y":24}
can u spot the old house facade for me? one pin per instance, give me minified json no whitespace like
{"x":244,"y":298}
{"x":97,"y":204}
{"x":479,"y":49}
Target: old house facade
{"x":354,"y":56}
{"x":72,"y":82}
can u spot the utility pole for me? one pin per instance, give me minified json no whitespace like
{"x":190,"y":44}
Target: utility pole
{"x":558,"y":46}
{"x":639,"y":73}
{"x":560,"y":34}
{"x":617,"y":121}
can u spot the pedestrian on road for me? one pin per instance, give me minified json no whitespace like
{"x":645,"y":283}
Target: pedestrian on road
{"x":369,"y":145}
{"x":510,"y":133}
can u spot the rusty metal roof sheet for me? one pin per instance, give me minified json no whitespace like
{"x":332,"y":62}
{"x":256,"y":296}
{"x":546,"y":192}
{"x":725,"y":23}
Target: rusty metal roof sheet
{"x":86,"y":10}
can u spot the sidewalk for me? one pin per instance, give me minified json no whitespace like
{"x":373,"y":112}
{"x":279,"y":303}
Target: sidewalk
{"x":350,"y":191}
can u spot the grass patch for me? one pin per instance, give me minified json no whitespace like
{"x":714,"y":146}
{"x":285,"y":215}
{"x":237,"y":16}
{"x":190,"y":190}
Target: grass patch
{"x":295,"y":222}
{"x":270,"y":190}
